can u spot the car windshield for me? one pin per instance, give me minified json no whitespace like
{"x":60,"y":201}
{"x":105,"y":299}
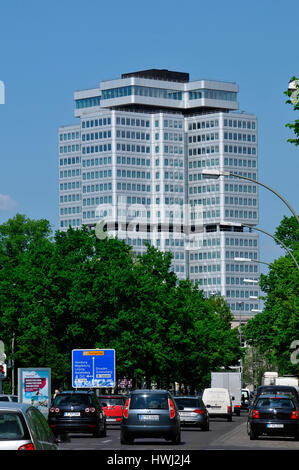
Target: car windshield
{"x":188,"y":402}
{"x":112,"y":401}
{"x":156,"y":401}
{"x":11,"y":426}
{"x":73,"y":400}
{"x":274,"y":402}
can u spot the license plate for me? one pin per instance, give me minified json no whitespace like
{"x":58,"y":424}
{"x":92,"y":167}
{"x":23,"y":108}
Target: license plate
{"x":187,"y":415}
{"x":70,"y":413}
{"x":110,"y":419}
{"x":270,"y":425}
{"x":149,"y":417}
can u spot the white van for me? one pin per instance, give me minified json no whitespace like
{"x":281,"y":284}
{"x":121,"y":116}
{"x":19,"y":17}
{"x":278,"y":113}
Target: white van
{"x":218,"y":402}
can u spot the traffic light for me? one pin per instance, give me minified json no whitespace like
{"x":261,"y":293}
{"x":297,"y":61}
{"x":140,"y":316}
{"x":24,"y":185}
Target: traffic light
{"x":3,"y":371}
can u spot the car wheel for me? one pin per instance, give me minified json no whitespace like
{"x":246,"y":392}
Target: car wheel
{"x":126,"y":440}
{"x":252,"y":435}
{"x":104,"y":432}
{"x":205,"y":427}
{"x":177,"y":438}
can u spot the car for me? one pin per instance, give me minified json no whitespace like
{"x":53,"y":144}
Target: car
{"x":77,"y":412}
{"x":192,"y":412}
{"x":273,"y":415}
{"x":113,"y":406}
{"x":24,"y":427}
{"x":245,"y":398}
{"x":218,"y":402}
{"x":278,"y":389}
{"x":150,"y":414}
{"x":13,"y":398}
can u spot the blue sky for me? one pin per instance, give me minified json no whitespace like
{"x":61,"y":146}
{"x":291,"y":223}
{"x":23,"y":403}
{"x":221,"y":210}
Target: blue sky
{"x":50,"y":49}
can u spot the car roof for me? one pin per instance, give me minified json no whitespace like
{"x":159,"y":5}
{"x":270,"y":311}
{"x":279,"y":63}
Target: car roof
{"x":8,"y":405}
{"x":276,"y":387}
{"x":67,"y":392}
{"x":111,"y":396}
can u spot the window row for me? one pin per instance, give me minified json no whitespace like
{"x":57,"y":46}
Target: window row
{"x":137,"y":90}
{"x":69,"y":148}
{"x":69,"y":161}
{"x":72,"y":223}
{"x":205,"y":255}
{"x":133,"y":174}
{"x":203,"y":150}
{"x":210,"y":188}
{"x":97,"y":187}
{"x":241,"y":294}
{"x":203,"y":164}
{"x":96,"y":123}
{"x":240,"y":137}
{"x":240,"y":162}
{"x":96,"y":149}
{"x":203,"y":124}
{"x":239,"y":150}
{"x":240,"y":214}
{"x":96,"y":136}
{"x":72,"y":185}
{"x":210,"y":268}
{"x":240,"y":242}
{"x":240,"y":188}
{"x":97,"y":161}
{"x":203,"y":137}
{"x":132,"y":122}
{"x":70,"y":197}
{"x":133,"y":187}
{"x":70,"y":173}
{"x":133,"y":161}
{"x":133,"y":135}
{"x":240,"y":201}
{"x":239,"y":124}
{"x":69,"y":136}
{"x":97,"y":174}
{"x":133,"y":148}
{"x":70,"y":210}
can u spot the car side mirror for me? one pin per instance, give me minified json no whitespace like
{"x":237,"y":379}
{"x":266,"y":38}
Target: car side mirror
{"x":233,"y":398}
{"x":208,"y":406}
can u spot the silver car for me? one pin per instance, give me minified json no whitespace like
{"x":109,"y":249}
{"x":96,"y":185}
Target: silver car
{"x":193,"y":412}
{"x":23,"y":427}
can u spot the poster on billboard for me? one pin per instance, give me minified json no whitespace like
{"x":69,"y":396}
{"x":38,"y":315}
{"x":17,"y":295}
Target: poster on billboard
{"x":34,"y":386}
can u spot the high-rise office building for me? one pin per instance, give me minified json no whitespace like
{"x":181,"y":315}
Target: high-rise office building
{"x":141,"y":160}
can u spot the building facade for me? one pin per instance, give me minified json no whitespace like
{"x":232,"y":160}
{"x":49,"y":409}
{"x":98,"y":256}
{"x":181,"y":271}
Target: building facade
{"x":140,"y":164}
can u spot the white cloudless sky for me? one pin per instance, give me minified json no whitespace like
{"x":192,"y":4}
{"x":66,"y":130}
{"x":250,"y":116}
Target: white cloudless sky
{"x":50,"y":49}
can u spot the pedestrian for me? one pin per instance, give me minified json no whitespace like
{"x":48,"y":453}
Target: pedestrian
{"x":55,"y":393}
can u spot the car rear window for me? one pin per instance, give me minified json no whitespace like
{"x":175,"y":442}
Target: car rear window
{"x":112,"y":401}
{"x":277,"y":402}
{"x":12,"y":426}
{"x":73,"y":400}
{"x":189,"y":402}
{"x":154,"y":401}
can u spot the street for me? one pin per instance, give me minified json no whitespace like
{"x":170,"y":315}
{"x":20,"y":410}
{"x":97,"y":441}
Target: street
{"x":222,"y":435}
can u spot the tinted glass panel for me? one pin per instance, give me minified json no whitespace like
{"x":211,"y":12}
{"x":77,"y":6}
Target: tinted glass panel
{"x":73,"y":400}
{"x":112,"y":401}
{"x":275,"y":403}
{"x":188,"y":402}
{"x":153,"y":401}
{"x":4,"y":399}
{"x":12,"y":427}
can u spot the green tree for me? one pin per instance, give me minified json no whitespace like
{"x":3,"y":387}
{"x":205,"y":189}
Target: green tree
{"x":293,"y":99}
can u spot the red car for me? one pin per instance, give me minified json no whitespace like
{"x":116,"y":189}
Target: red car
{"x":112,"y":406}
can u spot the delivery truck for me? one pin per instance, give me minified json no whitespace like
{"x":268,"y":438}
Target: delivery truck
{"x":232,"y":381}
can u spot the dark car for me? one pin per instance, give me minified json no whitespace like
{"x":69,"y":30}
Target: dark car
{"x":278,"y":389}
{"x":77,"y":411}
{"x":150,"y":413}
{"x":113,"y":406}
{"x":192,"y":412}
{"x":273,"y":415}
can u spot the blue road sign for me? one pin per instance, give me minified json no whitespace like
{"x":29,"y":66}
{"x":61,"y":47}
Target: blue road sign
{"x":93,"y":368}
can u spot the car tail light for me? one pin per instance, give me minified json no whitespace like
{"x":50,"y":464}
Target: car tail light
{"x":126,"y":408}
{"x":54,"y":410}
{"x":171,"y":408}
{"x":200,"y":412}
{"x":255,"y":414}
{"x":89,"y":410}
{"x":295,"y":415}
{"x":229,"y":409}
{"x":29,"y":446}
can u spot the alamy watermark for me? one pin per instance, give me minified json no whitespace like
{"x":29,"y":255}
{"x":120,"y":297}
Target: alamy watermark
{"x":2,"y":92}
{"x":295,"y":353}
